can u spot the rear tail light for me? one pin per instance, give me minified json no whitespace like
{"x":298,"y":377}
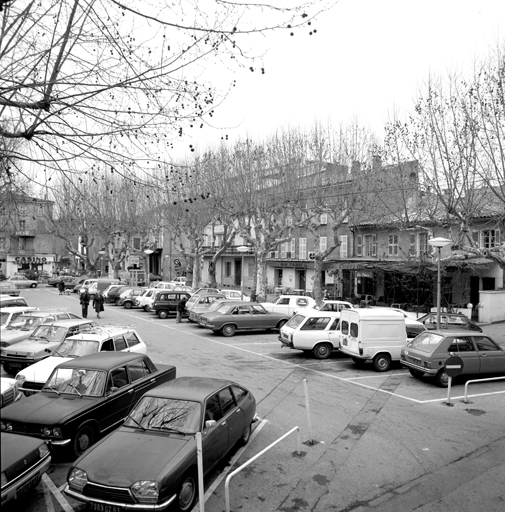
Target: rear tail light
{"x":360,"y":348}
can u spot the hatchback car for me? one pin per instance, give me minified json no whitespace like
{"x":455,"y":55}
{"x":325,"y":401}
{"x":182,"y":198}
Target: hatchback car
{"x":449,"y":321}
{"x":8,"y":288}
{"x":110,"y":338}
{"x":127,"y":298}
{"x":427,"y":354}
{"x":231,"y":317}
{"x":314,"y":332}
{"x":165,"y":302}
{"x":150,"y":462}
{"x":22,"y":282}
{"x":146,"y":298}
{"x":289,"y":304}
{"x":9,"y":315}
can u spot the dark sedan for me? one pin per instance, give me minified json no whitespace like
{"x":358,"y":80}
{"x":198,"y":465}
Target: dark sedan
{"x":231,"y":317}
{"x":85,"y":398}
{"x":428,"y":352}
{"x":151,"y":461}
{"x":23,"y":462}
{"x":449,"y":321}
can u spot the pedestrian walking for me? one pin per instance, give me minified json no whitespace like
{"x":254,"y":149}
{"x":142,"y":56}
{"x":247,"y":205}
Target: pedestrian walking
{"x":98,"y":303}
{"x":84,"y":300}
{"x":254,"y":297}
{"x":61,"y":286}
{"x":181,"y":309}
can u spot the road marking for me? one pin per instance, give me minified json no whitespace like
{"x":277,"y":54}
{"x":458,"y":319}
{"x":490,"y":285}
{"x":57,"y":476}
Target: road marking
{"x":57,"y":494}
{"x":47,"y":498}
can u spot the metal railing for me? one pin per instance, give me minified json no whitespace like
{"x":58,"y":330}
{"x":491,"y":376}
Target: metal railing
{"x":228,"y":478}
{"x":479,"y":380}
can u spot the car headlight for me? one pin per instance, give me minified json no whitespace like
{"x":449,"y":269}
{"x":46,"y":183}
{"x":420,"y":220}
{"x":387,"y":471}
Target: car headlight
{"x":146,"y":491}
{"x":5,"y":426}
{"x":4,"y":479}
{"x":52,"y":432}
{"x":43,"y":450}
{"x":30,"y":354}
{"x":20,"y":379}
{"x":77,"y":479}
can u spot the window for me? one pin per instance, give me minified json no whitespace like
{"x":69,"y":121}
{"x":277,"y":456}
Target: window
{"x":283,"y":250}
{"x":393,"y":245}
{"x":412,"y":245}
{"x":40,"y":210}
{"x":213,"y":409}
{"x":315,"y":324}
{"x":227,"y":269}
{"x":2,"y":243}
{"x":227,"y":400}
{"x":119,"y":343}
{"x":131,"y":339}
{"x":22,"y":224}
{"x":138,"y":369}
{"x":343,"y":246}
{"x":21,"y":244}
{"x":485,"y":344}
{"x":283,"y":301}
{"x":424,"y":247}
{"x":490,"y":238}
{"x":136,"y":243}
{"x":324,"y":219}
{"x":118,"y":378}
{"x":354,"y":330}
{"x":293,"y":247}
{"x":334,"y":325}
{"x":107,"y":346}
{"x":22,"y":209}
{"x":323,"y":241}
{"x":359,"y":245}
{"x":344,"y":328}
{"x":370,"y":245}
{"x":239,"y":393}
{"x":302,"y":248}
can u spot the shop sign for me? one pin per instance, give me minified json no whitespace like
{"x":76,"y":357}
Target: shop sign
{"x":365,"y":274}
{"x":291,"y":264}
{"x":21,"y":260}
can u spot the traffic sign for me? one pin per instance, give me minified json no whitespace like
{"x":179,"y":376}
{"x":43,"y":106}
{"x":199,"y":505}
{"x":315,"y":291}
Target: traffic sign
{"x":453,"y":366}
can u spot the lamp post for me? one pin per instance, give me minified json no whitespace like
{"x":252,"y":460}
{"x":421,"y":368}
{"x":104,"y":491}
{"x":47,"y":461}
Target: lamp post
{"x":148,"y":252}
{"x":242,"y":249}
{"x":101,"y":252}
{"x":439,"y":242}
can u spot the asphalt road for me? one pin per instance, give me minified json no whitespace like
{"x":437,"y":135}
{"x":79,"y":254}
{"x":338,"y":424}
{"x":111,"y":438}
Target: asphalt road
{"x":368,"y":441}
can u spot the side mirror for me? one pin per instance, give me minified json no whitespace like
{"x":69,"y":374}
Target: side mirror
{"x":48,"y":350}
{"x":210,"y":423}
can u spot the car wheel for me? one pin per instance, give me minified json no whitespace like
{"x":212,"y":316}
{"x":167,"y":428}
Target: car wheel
{"x":416,"y":373}
{"x":246,"y":435}
{"x":381,"y":362}
{"x":322,"y":350}
{"x":186,"y":495}
{"x":281,"y":324}
{"x":33,"y":285}
{"x":147,"y":309}
{"x":228,"y":330}
{"x":127,"y":305}
{"x":442,"y":379}
{"x":358,"y":361}
{"x":84,"y":438}
{"x":162,"y":313}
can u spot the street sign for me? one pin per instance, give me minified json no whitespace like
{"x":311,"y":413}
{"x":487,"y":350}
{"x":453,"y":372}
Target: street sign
{"x":453,"y":366}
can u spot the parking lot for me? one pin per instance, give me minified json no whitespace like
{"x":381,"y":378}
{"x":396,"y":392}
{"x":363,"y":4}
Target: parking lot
{"x":357,"y":415}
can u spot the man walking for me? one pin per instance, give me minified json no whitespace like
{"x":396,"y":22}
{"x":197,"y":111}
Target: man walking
{"x":181,"y":309}
{"x":84,"y":300}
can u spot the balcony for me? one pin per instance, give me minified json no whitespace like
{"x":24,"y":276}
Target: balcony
{"x":26,"y":233}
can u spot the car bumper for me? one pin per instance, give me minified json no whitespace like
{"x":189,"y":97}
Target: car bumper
{"x":26,"y":481}
{"x":126,"y":506}
{"x":285,"y":343}
{"x":418,"y":367}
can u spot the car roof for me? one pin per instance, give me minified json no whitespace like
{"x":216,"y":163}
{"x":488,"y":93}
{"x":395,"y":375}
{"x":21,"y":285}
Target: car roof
{"x":189,"y":388}
{"x":309,"y":312}
{"x":69,"y":322}
{"x":457,"y":332}
{"x":19,"y":309}
{"x":45,"y":313}
{"x":373,"y":313}
{"x":100,"y":332}
{"x":102,"y":360}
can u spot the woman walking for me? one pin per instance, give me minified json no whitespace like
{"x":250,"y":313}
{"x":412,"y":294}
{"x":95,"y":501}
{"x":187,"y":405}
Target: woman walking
{"x":98,"y":303}
{"x":61,"y":287}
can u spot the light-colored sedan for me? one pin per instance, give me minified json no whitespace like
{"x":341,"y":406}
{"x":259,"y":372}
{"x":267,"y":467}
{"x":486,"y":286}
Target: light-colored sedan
{"x":23,"y":282}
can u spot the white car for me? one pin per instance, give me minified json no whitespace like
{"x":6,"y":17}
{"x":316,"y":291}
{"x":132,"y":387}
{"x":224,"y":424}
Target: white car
{"x":10,"y":391}
{"x":23,"y":282}
{"x":234,"y":295}
{"x":312,"y":331}
{"x":288,"y":304}
{"x":331,"y":305}
{"x":101,"y":338}
{"x":9,"y":315}
{"x":145,"y":301}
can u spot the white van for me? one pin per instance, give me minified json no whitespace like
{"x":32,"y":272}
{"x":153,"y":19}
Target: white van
{"x":312,"y":331}
{"x":376,"y":335}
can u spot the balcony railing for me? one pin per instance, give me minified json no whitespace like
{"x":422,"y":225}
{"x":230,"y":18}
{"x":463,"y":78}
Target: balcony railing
{"x":26,"y":232}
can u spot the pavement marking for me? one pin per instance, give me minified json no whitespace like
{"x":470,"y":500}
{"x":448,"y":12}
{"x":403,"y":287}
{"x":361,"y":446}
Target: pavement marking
{"x":349,"y":380}
{"x":57,"y":494}
{"x":47,"y":498}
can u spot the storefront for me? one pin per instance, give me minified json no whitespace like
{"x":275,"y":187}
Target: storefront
{"x":38,"y":262}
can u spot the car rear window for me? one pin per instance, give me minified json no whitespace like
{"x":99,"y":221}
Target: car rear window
{"x":315,"y":324}
{"x":426,"y":341}
{"x":296,"y":321}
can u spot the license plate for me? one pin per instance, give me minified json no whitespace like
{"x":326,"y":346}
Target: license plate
{"x":16,"y":365}
{"x":102,"y":507}
{"x":29,"y":485}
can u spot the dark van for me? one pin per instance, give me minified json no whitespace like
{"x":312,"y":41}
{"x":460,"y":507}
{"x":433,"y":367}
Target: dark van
{"x":166,"y":302}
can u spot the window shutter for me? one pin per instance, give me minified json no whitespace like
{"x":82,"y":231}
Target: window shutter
{"x":359,"y":245}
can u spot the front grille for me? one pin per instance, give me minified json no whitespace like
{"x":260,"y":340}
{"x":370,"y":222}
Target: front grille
{"x":23,"y":465}
{"x":8,"y":397}
{"x":114,"y":494}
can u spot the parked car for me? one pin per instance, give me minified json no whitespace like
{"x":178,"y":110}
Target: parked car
{"x":157,"y":445}
{"x":127,"y":298}
{"x":427,"y":354}
{"x":24,"y":460}
{"x":8,"y":301}
{"x":165,"y":302}
{"x":9,"y":391}
{"x":164,"y":285}
{"x":203,"y":307}
{"x":114,"y":293}
{"x":242,"y":316}
{"x":9,"y":315}
{"x":179,"y":280}
{"x":204,"y":300}
{"x":75,"y":284}
{"x":100,"y":338}
{"x":332,"y":305}
{"x":146,"y":298}
{"x":9,"y":288}
{"x":315,"y":332}
{"x":111,"y":384}
{"x":205,"y":289}
{"x":22,"y":281}
{"x":449,"y":321}
{"x":54,"y":280}
{"x":234,"y":294}
{"x":24,"y":326}
{"x":101,"y":285}
{"x":39,"y":345}
{"x":289,"y":304}
{"x":81,"y":282}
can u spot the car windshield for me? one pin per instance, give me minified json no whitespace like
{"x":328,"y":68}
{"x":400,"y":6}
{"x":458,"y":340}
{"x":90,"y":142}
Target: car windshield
{"x":77,"y":381}
{"x":153,"y":413}
{"x":214,"y":305}
{"x":295,"y":321}
{"x":426,"y":341}
{"x":4,"y":317}
{"x":76,"y":348}
{"x":26,"y":323}
{"x":50,"y":333}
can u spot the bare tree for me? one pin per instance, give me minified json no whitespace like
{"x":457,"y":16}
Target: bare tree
{"x":114,"y":83}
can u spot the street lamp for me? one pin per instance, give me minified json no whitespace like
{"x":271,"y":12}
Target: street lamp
{"x":101,"y":252}
{"x":242,"y":249}
{"x":439,"y":242}
{"x":148,"y":252}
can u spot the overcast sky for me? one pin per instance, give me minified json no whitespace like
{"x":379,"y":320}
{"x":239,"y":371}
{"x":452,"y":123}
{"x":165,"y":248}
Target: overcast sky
{"x":367,"y":59}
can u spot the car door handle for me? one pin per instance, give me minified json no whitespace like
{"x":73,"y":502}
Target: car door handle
{"x":223,"y":424}
{"x":153,"y":380}
{"x":483,"y":355}
{"x":130,"y":391}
